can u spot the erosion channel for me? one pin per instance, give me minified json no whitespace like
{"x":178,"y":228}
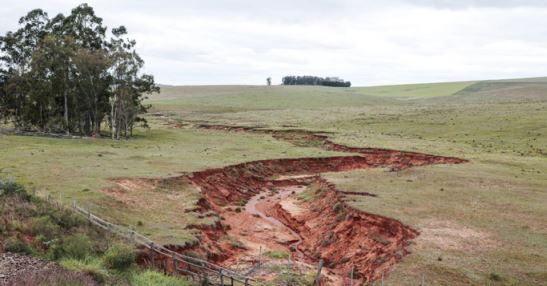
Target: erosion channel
{"x":281,"y":215}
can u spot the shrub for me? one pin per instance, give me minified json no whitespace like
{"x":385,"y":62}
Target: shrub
{"x":44,"y":226}
{"x":119,"y":257}
{"x":91,"y":267}
{"x":15,"y":245}
{"x":77,"y":246}
{"x":54,"y":250}
{"x":66,"y":219}
{"x":495,"y":277}
{"x":12,"y":189}
{"x":337,"y":207}
{"x":16,"y":225}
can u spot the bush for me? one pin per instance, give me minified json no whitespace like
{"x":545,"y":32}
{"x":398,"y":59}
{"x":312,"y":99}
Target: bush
{"x":44,"y":226}
{"x":119,"y":258}
{"x":495,"y":277}
{"x":337,"y":207}
{"x":55,"y":250}
{"x":91,"y":267}
{"x":66,"y":219}
{"x":77,"y":246}
{"x":15,"y":245}
{"x":12,"y":189}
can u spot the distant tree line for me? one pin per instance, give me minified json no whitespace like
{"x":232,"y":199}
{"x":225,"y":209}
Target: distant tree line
{"x":315,"y":80}
{"x":71,"y":74}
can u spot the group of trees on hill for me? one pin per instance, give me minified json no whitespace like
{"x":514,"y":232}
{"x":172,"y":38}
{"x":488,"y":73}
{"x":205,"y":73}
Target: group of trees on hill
{"x":315,"y":80}
{"x":71,"y":74}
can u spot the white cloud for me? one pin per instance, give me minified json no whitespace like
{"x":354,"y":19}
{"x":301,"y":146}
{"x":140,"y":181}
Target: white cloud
{"x":367,"y":42}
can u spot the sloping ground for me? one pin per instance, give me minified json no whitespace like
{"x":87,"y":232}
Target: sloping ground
{"x":326,"y":227}
{"x":396,"y":159}
{"x":423,"y":90}
{"x":370,"y":242}
{"x":503,"y":91}
{"x":345,"y":237}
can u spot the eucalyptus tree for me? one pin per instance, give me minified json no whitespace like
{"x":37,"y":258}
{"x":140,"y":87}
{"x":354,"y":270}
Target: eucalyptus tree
{"x":17,"y":48}
{"x":128,"y":87}
{"x":92,"y":81}
{"x":51,"y":68}
{"x":5,"y":102}
{"x":68,"y":74}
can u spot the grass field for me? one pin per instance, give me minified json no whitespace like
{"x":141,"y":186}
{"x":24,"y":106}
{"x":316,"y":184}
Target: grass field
{"x":416,"y":90}
{"x":481,"y":223}
{"x":76,"y":169}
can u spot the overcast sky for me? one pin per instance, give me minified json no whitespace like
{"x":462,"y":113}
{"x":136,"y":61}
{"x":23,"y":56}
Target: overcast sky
{"x":366,"y":42}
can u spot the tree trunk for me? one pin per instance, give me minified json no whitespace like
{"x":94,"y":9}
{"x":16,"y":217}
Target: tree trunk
{"x":113,"y":117}
{"x":66,"y":112}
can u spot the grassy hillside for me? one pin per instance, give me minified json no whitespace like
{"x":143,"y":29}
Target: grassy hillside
{"x":36,"y":227}
{"x":481,"y":223}
{"x":416,"y":90}
{"x":77,"y":169}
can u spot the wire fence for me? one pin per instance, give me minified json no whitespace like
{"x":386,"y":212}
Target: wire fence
{"x":208,"y":273}
{"x":239,"y":274}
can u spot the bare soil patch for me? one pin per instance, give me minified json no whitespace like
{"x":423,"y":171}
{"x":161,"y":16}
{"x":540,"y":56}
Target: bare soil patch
{"x":448,"y":235}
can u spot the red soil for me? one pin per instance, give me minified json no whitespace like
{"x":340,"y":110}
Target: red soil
{"x":329,"y":228}
{"x":343,"y":236}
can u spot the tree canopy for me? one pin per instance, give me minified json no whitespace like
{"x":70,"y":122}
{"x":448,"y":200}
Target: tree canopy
{"x":315,"y":80}
{"x":71,"y":74}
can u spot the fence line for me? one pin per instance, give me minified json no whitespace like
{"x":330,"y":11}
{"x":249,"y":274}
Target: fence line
{"x":209,"y":273}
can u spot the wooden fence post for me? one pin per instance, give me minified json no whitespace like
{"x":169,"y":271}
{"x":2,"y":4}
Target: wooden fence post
{"x":260,"y":256}
{"x":153,"y":259}
{"x":206,"y":280}
{"x":175,"y":270}
{"x":221,"y":278}
{"x":318,"y":275}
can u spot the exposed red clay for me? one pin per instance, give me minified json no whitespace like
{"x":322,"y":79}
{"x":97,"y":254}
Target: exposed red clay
{"x":343,"y":236}
{"x":327,"y":227}
{"x":310,"y":138}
